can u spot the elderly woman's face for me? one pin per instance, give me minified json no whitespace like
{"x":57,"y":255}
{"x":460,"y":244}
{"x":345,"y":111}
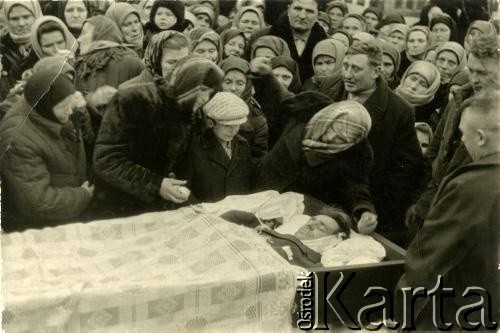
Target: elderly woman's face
{"x":317,"y":227}
{"x":249,"y":23}
{"x":206,"y":50}
{"x":416,"y":84}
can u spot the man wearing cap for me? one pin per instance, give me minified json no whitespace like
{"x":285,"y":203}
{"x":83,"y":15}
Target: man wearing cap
{"x":219,"y":162}
{"x":144,"y":140}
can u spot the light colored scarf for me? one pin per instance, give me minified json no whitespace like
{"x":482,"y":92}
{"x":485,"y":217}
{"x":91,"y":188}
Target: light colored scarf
{"x":430,"y":73}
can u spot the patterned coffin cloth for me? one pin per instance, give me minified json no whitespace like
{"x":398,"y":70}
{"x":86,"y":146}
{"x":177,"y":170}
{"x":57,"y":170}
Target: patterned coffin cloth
{"x":160,"y":272}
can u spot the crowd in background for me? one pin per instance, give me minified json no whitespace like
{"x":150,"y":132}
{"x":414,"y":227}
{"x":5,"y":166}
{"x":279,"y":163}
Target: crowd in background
{"x":112,"y":109}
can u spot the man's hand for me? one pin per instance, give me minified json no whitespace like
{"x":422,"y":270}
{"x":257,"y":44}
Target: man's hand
{"x":367,"y":223}
{"x":101,"y":96}
{"x":260,"y":66}
{"x":169,"y":190}
{"x":89,"y":188}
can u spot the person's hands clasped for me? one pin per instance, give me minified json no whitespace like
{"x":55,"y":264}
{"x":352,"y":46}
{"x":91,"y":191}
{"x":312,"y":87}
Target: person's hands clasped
{"x":367,"y":223}
{"x":260,"y":66}
{"x":171,"y":189}
{"x":89,"y":188}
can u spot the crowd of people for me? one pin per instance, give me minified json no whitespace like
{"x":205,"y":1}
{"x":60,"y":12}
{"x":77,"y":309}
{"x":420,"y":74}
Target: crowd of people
{"x":113,"y":109}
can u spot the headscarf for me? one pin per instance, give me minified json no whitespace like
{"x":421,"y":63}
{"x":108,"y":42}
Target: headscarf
{"x":119,"y":12}
{"x":348,"y":120}
{"x":60,"y":13}
{"x":448,"y":21}
{"x":363,"y":37}
{"x":332,"y":48}
{"x":486,"y":27}
{"x":32,"y":6}
{"x":229,"y":34}
{"x":239,"y":64}
{"x":154,"y":50}
{"x":276,"y":44}
{"x":390,"y":50}
{"x":457,"y":50}
{"x":205,"y":10}
{"x":175,"y":6}
{"x":71,"y":43}
{"x":190,"y":74}
{"x":106,"y":33}
{"x":324,"y":17}
{"x":400,"y":27}
{"x":338,"y":4}
{"x":45,"y":89}
{"x":428,"y":35}
{"x":141,"y":6}
{"x":291,"y":65}
{"x":374,"y":10}
{"x":55,"y":63}
{"x":358,"y":17}
{"x":345,"y":33}
{"x":243,"y":10}
{"x":432,"y":76}
{"x":210,"y":36}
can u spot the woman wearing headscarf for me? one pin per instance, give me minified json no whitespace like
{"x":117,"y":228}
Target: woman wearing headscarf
{"x":205,"y":16}
{"x":450,"y":59}
{"x":206,"y":44}
{"x":342,"y":36}
{"x":15,"y":47}
{"x":255,"y":130}
{"x":418,"y":41}
{"x":373,"y":17}
{"x":443,"y":28}
{"x":43,"y":159}
{"x":128,"y":20}
{"x":286,"y":71}
{"x":388,"y":23}
{"x":323,"y":152}
{"x":74,"y":13}
{"x":233,"y":43}
{"x":269,"y":47}
{"x":143,"y":141}
{"x":104,"y":62}
{"x":249,"y":19}
{"x":418,"y":87}
{"x":397,"y":36}
{"x":336,"y":10}
{"x":50,"y":36}
{"x":327,"y":64}
{"x":144,"y":9}
{"x":164,"y":15}
{"x":478,"y":28}
{"x":391,"y":58}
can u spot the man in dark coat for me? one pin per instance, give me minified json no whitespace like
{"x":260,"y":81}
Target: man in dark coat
{"x":144,"y":139}
{"x":301,"y":31}
{"x":398,"y":160}
{"x":459,"y":238}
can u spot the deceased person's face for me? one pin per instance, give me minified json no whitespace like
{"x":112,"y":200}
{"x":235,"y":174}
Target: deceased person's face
{"x":318,"y":226}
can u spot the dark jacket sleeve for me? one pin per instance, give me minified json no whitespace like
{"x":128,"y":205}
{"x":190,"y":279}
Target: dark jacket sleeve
{"x":258,"y":144}
{"x":112,"y":160}
{"x":269,"y":92}
{"x":25,"y":172}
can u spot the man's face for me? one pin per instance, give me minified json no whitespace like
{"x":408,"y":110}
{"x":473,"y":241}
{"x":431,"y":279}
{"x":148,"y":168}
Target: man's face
{"x":225,"y":133}
{"x":169,"y":59}
{"x":317,"y":227}
{"x":469,"y":133}
{"x":358,"y":74}
{"x":20,"y":20}
{"x":483,"y":72}
{"x":52,"y":42}
{"x":303,"y":14}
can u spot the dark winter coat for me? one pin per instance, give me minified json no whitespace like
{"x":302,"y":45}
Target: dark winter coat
{"x":446,"y":151}
{"x":256,"y":131}
{"x":211,"y":175}
{"x":43,"y":167}
{"x":143,"y":137}
{"x":281,"y":28}
{"x":398,"y":160}
{"x":13,"y":64}
{"x":459,"y":240}
{"x":342,"y":180}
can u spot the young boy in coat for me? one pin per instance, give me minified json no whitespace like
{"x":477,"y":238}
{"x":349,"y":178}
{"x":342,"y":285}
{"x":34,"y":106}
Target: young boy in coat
{"x":219,"y":162}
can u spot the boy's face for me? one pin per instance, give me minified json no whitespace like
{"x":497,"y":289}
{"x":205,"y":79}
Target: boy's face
{"x":225,"y":133}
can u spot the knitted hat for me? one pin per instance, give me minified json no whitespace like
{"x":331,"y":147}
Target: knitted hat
{"x":45,"y":89}
{"x":337,"y":127}
{"x":226,"y":108}
{"x":375,"y":11}
{"x":32,"y":6}
{"x":175,"y":6}
{"x":393,"y":18}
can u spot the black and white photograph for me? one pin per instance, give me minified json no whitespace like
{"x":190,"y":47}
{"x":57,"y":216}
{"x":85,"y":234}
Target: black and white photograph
{"x":249,"y":166}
